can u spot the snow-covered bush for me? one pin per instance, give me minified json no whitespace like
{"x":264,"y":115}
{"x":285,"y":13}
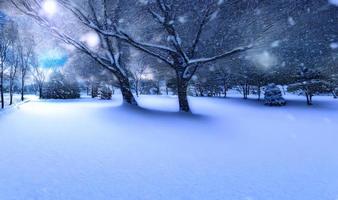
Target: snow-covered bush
{"x":60,"y":87}
{"x":273,"y":96}
{"x":105,"y":93}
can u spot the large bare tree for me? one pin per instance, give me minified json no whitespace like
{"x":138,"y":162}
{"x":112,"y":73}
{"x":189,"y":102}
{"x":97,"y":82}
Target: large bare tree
{"x":109,"y":53}
{"x":177,"y":54}
{"x":104,"y":21}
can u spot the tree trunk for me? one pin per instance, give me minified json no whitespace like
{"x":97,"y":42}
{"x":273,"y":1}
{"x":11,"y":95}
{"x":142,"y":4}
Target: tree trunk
{"x":182,"y":87}
{"x":1,"y":86}
{"x":137,"y":88}
{"x":284,"y":90}
{"x":11,"y":92}
{"x":308,"y":99}
{"x":225,"y":89}
{"x":127,"y":95}
{"x":245,"y":91}
{"x":22,"y":88}
{"x":94,"y":90}
{"x":259,"y":93}
{"x":247,"y":88}
{"x":40,"y":92}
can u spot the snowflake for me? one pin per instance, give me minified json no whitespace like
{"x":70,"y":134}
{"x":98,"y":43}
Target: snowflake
{"x":334,"y":45}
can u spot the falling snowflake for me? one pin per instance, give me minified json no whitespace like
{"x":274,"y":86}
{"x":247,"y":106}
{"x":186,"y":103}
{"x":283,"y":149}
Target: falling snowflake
{"x":275,"y":44}
{"x":291,"y":21}
{"x":182,"y":19}
{"x":334,"y":45}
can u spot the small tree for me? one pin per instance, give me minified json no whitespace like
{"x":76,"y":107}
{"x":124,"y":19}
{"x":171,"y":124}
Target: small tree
{"x":38,"y":75}
{"x":310,"y":83}
{"x":273,"y":96}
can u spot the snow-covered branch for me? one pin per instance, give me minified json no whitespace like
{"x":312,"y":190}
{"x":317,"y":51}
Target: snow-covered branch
{"x":141,"y":46}
{"x":223,"y":55}
{"x":206,"y":18}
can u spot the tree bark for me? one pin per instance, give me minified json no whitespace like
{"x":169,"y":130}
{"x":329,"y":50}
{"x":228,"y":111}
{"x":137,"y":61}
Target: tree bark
{"x":22,"y":88}
{"x":11,"y":93}
{"x":40,"y":92}
{"x":1,"y":86}
{"x":308,"y":99}
{"x":245,"y":91}
{"x":137,"y":88}
{"x":259,"y":93}
{"x":182,"y":87}
{"x":127,"y":94}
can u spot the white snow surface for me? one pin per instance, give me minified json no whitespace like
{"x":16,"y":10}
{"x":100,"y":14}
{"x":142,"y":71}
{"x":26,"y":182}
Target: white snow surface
{"x":230,"y":149}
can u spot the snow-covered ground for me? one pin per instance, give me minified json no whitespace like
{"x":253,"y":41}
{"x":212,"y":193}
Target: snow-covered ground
{"x":231,"y":149}
{"x":17,"y":99}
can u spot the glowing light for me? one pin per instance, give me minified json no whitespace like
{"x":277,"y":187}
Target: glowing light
{"x":49,"y":7}
{"x":91,"y":39}
{"x":264,"y":59}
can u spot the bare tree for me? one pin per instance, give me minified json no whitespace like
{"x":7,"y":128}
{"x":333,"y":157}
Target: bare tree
{"x":183,"y":60}
{"x":7,"y":37}
{"x":13,"y":69}
{"x":26,"y":53}
{"x":109,"y":53}
{"x":138,"y":74}
{"x":39,"y":78}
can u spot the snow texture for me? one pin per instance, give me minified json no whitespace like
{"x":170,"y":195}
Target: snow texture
{"x":230,"y":149}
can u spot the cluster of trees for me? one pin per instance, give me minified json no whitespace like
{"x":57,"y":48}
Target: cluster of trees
{"x":214,"y":80}
{"x":204,"y":47}
{"x":17,"y":59}
{"x":252,"y":80}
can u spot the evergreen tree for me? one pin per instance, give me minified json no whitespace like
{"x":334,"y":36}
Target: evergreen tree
{"x":273,"y":96}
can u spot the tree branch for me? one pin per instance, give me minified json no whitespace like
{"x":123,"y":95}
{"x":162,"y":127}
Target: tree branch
{"x":214,"y":58}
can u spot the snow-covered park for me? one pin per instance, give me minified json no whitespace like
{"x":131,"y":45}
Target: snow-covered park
{"x":168,"y":100}
{"x":229,"y":149}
